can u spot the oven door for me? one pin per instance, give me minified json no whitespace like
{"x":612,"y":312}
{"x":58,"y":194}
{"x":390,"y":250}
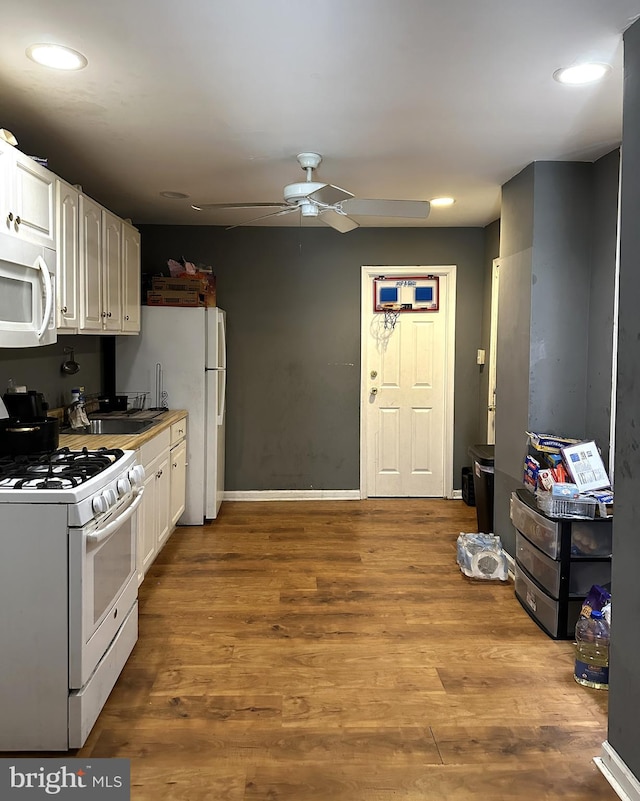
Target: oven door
{"x":27,"y":292}
{"x":103,"y":585}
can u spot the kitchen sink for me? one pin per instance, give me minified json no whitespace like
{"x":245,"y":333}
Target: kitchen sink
{"x":105,"y":425}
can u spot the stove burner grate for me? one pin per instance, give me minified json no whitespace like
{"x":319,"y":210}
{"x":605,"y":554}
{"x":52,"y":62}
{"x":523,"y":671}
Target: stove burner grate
{"x":61,"y":469}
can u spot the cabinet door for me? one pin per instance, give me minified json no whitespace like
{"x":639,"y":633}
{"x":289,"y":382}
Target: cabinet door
{"x":147,"y":523}
{"x":7,"y":162}
{"x":111,"y":271}
{"x":130,"y":278}
{"x":67,"y":256}
{"x":90,"y":259}
{"x":178,"y":481}
{"x":163,"y":498}
{"x":34,"y":202}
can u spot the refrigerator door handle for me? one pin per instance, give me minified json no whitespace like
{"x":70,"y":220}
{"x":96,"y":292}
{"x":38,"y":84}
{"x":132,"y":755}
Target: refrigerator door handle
{"x":222,"y":395}
{"x":222,"y":342}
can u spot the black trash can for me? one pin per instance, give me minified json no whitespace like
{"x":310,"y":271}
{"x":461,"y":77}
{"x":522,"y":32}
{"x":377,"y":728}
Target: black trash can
{"x":483,"y":465}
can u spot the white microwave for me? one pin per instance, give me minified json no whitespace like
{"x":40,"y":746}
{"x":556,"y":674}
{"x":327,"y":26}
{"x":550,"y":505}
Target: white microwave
{"x":27,"y":294}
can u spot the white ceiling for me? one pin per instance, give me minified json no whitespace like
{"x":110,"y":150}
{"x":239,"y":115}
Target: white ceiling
{"x":407,"y":99}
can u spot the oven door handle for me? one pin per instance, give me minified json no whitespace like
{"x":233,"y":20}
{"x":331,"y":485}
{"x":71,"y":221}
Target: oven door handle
{"x":104,"y":533}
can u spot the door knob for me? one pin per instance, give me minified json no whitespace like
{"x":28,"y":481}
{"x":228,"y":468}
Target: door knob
{"x":374,"y":390}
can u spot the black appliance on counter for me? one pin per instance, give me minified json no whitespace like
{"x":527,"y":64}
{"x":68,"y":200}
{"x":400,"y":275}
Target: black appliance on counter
{"x":27,"y":429}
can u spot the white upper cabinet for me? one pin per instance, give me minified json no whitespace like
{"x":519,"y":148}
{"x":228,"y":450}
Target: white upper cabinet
{"x":27,"y":198}
{"x":97,"y":253}
{"x":100,"y":279}
{"x":111,"y":272}
{"x":90,"y":261}
{"x":68,"y":268}
{"x":130,"y":279}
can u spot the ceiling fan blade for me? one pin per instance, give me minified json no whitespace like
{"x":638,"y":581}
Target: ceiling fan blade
{"x":330,"y":195}
{"x":340,"y":222}
{"x":214,"y":206}
{"x":287,"y":210}
{"x":387,"y":208}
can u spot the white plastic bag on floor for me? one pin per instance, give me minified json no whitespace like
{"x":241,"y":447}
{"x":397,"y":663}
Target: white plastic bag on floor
{"x":481,"y":556}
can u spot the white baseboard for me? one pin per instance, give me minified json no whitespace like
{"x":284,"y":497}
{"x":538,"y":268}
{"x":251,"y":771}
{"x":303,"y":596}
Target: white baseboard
{"x":457,"y":495}
{"x":291,"y":495}
{"x":625,"y":784}
{"x":512,"y":566}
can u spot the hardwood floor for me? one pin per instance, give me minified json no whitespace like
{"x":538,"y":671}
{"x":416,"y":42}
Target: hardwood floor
{"x":333,"y":651}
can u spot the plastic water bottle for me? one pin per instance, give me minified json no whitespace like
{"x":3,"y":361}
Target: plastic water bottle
{"x":592,"y":651}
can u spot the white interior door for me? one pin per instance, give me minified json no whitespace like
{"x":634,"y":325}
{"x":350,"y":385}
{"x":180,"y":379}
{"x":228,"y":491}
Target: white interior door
{"x":407,"y":399}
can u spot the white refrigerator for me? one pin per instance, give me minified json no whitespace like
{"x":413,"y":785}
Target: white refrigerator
{"x":190,"y":347}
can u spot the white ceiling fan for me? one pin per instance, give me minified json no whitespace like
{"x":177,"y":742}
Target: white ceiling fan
{"x":331,"y":204}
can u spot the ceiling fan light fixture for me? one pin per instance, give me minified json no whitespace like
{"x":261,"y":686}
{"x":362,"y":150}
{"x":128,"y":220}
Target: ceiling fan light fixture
{"x":442,"y":202}
{"x":56,"y":57}
{"x":582,"y":74}
{"x":309,"y":209}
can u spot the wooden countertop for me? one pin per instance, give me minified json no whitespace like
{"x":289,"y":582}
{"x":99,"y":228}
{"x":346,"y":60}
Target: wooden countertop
{"x":124,"y":441}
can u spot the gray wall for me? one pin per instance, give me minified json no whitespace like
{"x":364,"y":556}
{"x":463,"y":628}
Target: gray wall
{"x":514,"y":322}
{"x":39,"y":368}
{"x":605,"y":200}
{"x":624,"y":692}
{"x":557,"y":265}
{"x":560,"y":282}
{"x":292,"y":296}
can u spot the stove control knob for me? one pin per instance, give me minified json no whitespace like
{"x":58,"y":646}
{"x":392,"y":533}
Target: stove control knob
{"x":124,"y":486}
{"x":99,"y":504}
{"x":136,"y":475}
{"x":110,"y":496}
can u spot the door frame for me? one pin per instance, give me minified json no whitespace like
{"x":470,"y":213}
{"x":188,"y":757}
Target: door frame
{"x":493,"y":352}
{"x":449,"y":273}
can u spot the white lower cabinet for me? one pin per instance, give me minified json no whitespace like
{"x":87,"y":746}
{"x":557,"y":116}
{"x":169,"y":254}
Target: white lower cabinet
{"x":178,"y":481}
{"x":178,"y":470}
{"x":164,"y":462}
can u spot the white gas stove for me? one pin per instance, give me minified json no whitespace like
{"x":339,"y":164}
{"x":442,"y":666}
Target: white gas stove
{"x":68,"y":591}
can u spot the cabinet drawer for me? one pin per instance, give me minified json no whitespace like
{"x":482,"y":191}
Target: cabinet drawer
{"x":154,"y":447}
{"x":537,"y":529}
{"x":556,"y":618}
{"x":178,"y":430}
{"x":545,"y":571}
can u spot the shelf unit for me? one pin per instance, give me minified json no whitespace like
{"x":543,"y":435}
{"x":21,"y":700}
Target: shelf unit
{"x":557,"y":562}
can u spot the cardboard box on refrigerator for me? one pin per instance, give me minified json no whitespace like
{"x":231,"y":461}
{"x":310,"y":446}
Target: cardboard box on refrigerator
{"x":202,"y":283}
{"x":166,"y":297}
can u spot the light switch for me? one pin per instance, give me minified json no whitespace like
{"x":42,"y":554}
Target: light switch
{"x":480,"y":356}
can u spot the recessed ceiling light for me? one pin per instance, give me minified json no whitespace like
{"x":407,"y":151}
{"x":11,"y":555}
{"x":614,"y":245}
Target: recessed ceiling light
{"x":196,"y":208}
{"x":57,"y":57}
{"x":580,"y":74}
{"x":174,"y":195}
{"x":442,"y":201}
